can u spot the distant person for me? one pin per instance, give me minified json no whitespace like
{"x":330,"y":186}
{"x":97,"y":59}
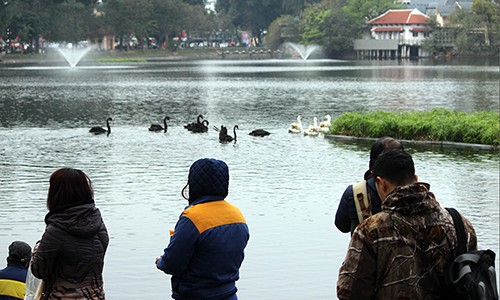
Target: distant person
{"x":70,"y":256}
{"x":404,"y":251}
{"x":206,"y":249}
{"x":13,"y":277}
{"x":352,"y":210}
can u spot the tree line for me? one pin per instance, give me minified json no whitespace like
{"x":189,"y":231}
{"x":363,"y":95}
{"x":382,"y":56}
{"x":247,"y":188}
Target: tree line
{"x":332,"y":24}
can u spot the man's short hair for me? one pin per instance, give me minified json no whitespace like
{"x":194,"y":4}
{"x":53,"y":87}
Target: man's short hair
{"x":396,"y":166}
{"x":19,"y":252}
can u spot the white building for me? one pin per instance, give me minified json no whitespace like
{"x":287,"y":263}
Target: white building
{"x":397,"y":33}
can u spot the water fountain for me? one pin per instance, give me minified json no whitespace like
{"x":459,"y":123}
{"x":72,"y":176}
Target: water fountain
{"x":303,"y":50}
{"x":73,"y":55}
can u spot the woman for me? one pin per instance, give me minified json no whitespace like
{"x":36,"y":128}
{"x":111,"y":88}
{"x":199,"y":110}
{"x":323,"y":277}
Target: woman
{"x":70,"y":256}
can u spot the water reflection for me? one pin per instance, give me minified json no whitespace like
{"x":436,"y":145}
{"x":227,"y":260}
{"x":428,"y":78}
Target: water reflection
{"x":287,"y":185}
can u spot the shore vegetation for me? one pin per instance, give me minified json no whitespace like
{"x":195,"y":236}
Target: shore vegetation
{"x":434,"y":125}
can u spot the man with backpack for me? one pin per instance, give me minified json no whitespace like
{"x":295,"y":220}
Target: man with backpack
{"x":406,"y":250}
{"x":361,"y":200}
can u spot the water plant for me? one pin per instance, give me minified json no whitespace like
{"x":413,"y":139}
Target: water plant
{"x":438,"y":124}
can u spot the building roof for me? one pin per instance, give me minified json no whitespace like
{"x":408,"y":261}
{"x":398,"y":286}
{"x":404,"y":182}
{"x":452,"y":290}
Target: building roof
{"x":400,"y":16}
{"x":431,"y":7}
{"x":419,"y":29}
{"x":387,"y":29}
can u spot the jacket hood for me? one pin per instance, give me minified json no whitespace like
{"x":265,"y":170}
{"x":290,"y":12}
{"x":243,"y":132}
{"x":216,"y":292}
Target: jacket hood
{"x":208,"y":177}
{"x":412,"y":199}
{"x":82,"y":220}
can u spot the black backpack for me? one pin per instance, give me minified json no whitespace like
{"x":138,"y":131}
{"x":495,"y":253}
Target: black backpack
{"x":472,"y":274}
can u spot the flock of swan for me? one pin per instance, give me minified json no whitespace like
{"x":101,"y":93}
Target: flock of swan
{"x":314,"y":129}
{"x":201,"y":125}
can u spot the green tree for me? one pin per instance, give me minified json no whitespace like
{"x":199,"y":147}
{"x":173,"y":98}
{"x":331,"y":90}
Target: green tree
{"x":489,"y":14}
{"x":127,"y":17}
{"x":70,"y":21}
{"x":253,"y":15}
{"x":367,"y":9}
{"x":283,"y":29}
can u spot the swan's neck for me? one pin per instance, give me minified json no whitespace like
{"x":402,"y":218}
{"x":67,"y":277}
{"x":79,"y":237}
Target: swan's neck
{"x":165,"y":125}
{"x":109,"y":127}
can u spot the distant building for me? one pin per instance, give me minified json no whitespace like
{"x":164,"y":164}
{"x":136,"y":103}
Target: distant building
{"x":397,"y":33}
{"x":441,"y":10}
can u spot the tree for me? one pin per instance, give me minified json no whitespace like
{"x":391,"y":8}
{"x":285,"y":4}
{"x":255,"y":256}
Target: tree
{"x":196,"y":2}
{"x":127,"y":17}
{"x":69,"y":21}
{"x":329,"y":25}
{"x":367,"y":9}
{"x":276,"y":36}
{"x":253,"y":15}
{"x":489,"y":13}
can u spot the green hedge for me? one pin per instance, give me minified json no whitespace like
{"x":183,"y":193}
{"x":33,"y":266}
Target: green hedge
{"x":435,"y":125}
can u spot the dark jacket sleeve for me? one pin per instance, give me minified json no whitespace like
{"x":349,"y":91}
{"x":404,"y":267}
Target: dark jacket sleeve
{"x":357,"y":273}
{"x":177,"y":255}
{"x":342,"y":217}
{"x":45,"y":256}
{"x":470,"y":234}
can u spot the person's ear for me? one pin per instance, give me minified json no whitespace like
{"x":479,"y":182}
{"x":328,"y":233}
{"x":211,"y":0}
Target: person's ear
{"x":416,"y":178}
{"x":381,"y":186}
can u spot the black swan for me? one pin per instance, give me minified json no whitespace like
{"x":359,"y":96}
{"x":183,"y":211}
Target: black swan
{"x":190,"y":126}
{"x":224,"y":137}
{"x":158,"y":128}
{"x":202,"y":127}
{"x":100,"y":130}
{"x":259,"y":132}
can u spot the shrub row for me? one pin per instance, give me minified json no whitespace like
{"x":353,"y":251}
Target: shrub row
{"x":435,"y":125}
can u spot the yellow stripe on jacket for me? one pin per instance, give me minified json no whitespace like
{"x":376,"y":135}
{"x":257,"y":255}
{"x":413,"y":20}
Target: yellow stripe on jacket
{"x":12,"y":288}
{"x":212,"y":214}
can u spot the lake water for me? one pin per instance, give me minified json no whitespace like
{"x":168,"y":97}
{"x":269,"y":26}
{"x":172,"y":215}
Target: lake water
{"x":288,"y":186}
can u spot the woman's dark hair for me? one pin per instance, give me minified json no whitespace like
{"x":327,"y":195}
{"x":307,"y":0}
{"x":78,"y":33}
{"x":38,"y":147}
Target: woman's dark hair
{"x":380,"y":145}
{"x":396,"y":166}
{"x":69,"y":187}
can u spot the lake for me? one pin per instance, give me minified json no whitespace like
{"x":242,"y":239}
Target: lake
{"x":288,"y":186}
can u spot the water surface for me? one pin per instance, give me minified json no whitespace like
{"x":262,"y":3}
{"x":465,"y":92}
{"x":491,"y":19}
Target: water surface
{"x":288,"y":186}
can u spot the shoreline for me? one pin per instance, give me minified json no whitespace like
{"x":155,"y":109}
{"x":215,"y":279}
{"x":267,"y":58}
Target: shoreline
{"x":416,"y":142}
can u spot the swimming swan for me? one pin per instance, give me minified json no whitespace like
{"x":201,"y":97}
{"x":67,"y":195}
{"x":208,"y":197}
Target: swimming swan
{"x":296,"y":127}
{"x":259,"y":132}
{"x":100,"y":130}
{"x":325,"y":125}
{"x":313,"y":129}
{"x":158,"y":128}
{"x":224,"y":137}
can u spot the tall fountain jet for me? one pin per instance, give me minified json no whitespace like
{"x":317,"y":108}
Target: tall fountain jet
{"x":303,"y":50}
{"x":73,"y":55}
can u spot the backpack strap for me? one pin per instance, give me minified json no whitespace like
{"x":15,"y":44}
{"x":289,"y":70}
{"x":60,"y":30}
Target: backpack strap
{"x":361,"y":201}
{"x":460,"y":230}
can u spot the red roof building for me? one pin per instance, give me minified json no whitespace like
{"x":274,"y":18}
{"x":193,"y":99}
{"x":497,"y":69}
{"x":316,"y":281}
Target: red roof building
{"x":395,"y":33}
{"x":400,"y":17}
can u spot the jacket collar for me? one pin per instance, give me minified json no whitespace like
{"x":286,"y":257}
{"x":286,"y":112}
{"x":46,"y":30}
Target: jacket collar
{"x":411,"y":199}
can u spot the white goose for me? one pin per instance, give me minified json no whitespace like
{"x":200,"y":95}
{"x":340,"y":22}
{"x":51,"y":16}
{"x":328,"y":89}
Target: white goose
{"x":325,"y":125}
{"x":313,"y":129}
{"x":296,"y":127}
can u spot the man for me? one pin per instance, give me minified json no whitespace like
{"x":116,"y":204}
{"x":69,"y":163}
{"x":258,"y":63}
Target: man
{"x":403,"y":251}
{"x":13,"y":277}
{"x":207,"y":246}
{"x":353,"y":210}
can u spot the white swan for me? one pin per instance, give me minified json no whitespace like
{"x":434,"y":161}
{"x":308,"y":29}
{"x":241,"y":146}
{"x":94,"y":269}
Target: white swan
{"x":325,"y":125}
{"x":313,"y":129}
{"x":296,"y":127}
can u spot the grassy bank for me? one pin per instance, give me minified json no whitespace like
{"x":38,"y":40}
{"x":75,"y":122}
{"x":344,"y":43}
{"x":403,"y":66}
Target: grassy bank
{"x":434,"y":125}
{"x":116,"y":56}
